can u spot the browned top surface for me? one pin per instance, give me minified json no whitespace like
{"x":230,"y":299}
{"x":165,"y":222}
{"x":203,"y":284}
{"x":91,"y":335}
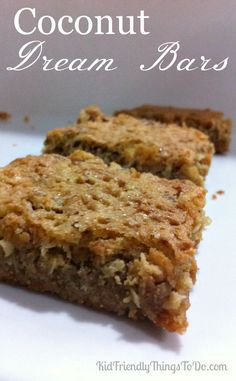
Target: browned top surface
{"x":138,"y":140}
{"x":170,"y":114}
{"x":79,"y":200}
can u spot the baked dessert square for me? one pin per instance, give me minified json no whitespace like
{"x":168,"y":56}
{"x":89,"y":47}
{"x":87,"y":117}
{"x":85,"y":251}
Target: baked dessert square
{"x":167,"y":151}
{"x":212,"y":123}
{"x":101,"y":235}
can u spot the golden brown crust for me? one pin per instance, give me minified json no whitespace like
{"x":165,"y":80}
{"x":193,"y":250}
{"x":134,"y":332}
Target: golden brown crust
{"x":86,"y":231}
{"x":166,"y":151}
{"x":212,"y":123}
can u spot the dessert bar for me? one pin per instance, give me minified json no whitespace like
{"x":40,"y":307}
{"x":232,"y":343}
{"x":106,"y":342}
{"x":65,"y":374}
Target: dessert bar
{"x":212,"y":123}
{"x":164,"y":150}
{"x":101,"y":235}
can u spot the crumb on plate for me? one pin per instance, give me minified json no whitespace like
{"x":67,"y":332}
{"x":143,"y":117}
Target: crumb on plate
{"x":4,"y":116}
{"x":220,"y":192}
{"x":26,"y":119}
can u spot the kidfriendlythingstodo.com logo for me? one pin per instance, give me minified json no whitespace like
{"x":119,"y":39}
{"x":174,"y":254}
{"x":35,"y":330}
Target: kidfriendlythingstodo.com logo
{"x":32,"y":52}
{"x":185,"y":366}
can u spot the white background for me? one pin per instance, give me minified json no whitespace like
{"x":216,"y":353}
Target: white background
{"x":45,"y":339}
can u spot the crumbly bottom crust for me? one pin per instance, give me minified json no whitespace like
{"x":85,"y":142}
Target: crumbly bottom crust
{"x":107,"y":287}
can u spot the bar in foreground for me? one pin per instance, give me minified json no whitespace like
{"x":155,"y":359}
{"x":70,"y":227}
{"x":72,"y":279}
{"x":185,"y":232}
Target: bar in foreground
{"x":107,"y":237}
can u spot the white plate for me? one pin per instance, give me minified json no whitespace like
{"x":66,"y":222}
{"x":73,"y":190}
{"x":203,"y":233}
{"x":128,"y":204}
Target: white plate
{"x":42,"y":338}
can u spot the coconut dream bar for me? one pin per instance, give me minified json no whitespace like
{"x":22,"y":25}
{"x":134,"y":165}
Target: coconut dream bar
{"x":164,"y":150}
{"x":212,"y":123}
{"x":101,"y":235}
